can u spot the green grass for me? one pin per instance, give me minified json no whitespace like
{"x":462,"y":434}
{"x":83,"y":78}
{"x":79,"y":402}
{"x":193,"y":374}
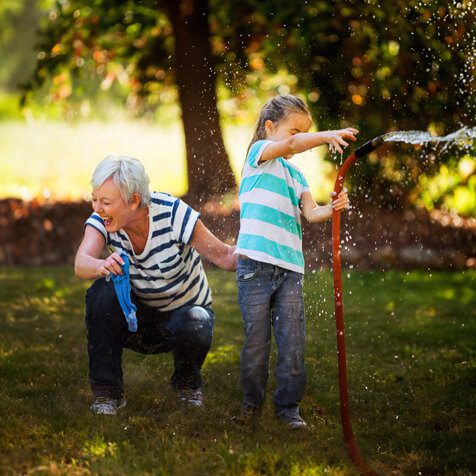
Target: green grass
{"x":411,"y":367}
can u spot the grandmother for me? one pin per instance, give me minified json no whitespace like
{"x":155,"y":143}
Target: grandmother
{"x":163,"y":238}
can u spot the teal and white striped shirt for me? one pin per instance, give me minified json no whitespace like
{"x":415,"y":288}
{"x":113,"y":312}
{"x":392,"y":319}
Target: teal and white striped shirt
{"x":270,"y":218}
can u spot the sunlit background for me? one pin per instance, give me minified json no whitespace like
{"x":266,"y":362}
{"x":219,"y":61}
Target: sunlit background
{"x":52,"y":160}
{"x":93,"y":104}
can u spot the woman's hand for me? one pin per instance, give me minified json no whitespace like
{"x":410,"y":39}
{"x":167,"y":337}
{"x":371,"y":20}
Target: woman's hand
{"x":335,"y":139}
{"x":341,"y":202}
{"x":112,"y":264}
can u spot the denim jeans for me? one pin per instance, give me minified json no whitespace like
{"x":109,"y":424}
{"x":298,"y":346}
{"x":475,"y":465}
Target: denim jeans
{"x":186,"y":332}
{"x":271,"y":297}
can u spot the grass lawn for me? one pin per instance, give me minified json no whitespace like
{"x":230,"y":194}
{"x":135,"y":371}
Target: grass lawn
{"x":411,"y":366}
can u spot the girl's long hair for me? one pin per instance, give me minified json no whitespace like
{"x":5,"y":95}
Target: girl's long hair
{"x":275,"y":110}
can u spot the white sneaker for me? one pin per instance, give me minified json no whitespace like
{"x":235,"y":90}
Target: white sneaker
{"x":292,"y":420}
{"x":193,"y":398}
{"x":107,"y":405}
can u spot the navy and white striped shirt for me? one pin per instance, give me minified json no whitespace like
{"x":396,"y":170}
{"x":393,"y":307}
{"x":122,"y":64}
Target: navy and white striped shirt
{"x":169,"y":273}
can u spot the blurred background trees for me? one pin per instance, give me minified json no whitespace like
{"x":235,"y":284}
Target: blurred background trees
{"x":379,"y":66}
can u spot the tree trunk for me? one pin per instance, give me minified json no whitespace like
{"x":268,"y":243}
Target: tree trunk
{"x":208,"y":167}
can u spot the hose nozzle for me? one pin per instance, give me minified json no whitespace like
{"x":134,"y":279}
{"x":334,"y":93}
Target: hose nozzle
{"x":369,"y":146}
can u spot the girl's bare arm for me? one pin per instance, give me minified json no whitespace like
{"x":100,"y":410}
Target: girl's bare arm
{"x":315,"y":213}
{"x":307,"y":140}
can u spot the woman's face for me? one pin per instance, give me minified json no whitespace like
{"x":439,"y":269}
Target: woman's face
{"x":108,"y":203}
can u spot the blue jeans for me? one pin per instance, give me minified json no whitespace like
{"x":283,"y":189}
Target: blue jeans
{"x":272,"y":297}
{"x":186,"y":332}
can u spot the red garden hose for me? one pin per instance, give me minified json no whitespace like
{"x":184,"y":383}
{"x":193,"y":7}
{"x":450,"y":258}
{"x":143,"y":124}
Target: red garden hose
{"x":350,"y":441}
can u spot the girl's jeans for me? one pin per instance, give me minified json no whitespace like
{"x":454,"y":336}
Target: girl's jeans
{"x":271,"y":297}
{"x":186,"y":332}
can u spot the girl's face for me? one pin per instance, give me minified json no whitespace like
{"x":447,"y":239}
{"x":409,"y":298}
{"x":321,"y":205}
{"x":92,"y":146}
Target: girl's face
{"x":108,"y":203}
{"x":293,"y":123}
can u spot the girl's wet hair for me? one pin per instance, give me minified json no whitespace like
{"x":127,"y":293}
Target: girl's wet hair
{"x":275,"y":110}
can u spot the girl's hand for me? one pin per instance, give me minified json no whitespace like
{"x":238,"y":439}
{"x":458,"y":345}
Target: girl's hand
{"x":112,"y":264}
{"x":341,"y":202}
{"x":336,"y":138}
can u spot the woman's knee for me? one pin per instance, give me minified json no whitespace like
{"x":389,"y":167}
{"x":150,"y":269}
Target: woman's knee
{"x":194,"y":325}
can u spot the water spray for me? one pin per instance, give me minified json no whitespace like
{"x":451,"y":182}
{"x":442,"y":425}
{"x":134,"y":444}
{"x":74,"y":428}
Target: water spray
{"x":463,"y":138}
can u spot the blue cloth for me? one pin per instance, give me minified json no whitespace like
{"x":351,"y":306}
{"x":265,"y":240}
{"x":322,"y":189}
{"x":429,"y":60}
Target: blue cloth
{"x":122,"y":286}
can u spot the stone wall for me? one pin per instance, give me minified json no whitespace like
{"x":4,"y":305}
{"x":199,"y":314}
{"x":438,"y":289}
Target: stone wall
{"x":34,"y":233}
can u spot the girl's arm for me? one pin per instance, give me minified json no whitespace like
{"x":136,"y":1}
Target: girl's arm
{"x":303,"y":141}
{"x":87,"y":264}
{"x":315,"y":213}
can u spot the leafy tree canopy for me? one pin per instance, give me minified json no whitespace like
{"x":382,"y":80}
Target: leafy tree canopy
{"x":377,"y":65}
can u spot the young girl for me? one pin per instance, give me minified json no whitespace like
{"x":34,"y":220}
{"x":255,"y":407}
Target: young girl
{"x":273,"y":194}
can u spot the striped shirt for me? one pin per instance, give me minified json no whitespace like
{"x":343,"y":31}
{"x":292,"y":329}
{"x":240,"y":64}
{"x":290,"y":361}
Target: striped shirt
{"x":168,"y":274}
{"x":270,"y":218}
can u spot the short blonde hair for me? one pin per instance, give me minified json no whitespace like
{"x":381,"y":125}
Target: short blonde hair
{"x":128,"y":173}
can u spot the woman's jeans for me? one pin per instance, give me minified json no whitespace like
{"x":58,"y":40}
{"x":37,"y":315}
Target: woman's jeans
{"x":186,"y":332}
{"x":271,"y":297}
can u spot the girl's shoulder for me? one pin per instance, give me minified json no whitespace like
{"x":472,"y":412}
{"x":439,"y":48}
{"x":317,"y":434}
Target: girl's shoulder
{"x":255,"y":151}
{"x":259,"y":144}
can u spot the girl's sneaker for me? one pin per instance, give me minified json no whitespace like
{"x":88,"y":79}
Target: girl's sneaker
{"x":292,"y":420}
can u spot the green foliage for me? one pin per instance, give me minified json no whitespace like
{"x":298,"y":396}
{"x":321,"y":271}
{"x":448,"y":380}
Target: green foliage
{"x":452,"y":188}
{"x":380,"y":66}
{"x":9,"y":107}
{"x":345,"y":56}
{"x":123,"y":48}
{"x":411,"y":362}
{"x":18,"y":28}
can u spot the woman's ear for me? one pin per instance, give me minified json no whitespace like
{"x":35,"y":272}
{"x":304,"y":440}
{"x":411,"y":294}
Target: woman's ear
{"x":135,"y":202}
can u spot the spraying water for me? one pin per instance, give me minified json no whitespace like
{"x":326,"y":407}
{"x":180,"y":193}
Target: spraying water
{"x":463,"y":137}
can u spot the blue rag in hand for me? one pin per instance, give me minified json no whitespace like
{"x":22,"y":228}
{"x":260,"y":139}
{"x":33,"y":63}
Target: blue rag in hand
{"x":122,"y":286}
